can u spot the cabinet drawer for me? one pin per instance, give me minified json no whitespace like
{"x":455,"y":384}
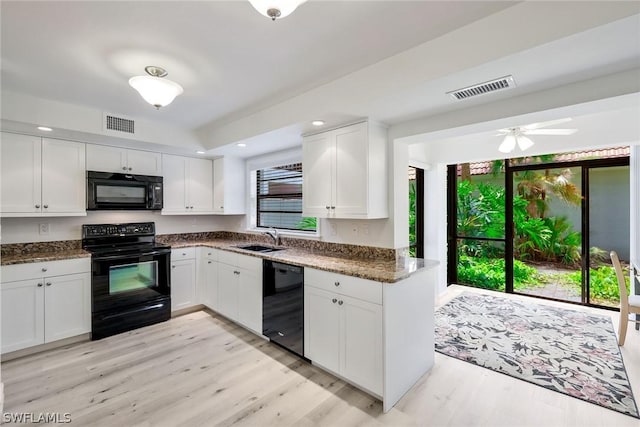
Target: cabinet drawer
{"x":34,"y":270}
{"x":250,"y":263}
{"x":366,"y":290}
{"x":208,"y":253}
{"x":183,"y":253}
{"x":226,"y":257}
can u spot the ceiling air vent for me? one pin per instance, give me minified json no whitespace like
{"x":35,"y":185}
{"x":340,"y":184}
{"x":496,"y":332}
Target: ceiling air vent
{"x":482,"y":88}
{"x":119,"y":124}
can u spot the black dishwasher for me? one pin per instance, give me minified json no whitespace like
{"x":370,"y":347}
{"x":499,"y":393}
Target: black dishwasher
{"x":283,"y":305}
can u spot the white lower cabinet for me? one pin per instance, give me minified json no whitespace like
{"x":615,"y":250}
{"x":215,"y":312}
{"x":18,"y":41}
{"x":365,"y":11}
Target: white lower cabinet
{"x":44,"y":309}
{"x":183,"y":278}
{"x":240,"y":289}
{"x":343,"y":327}
{"x":207,"y":283}
{"x":228,"y":290}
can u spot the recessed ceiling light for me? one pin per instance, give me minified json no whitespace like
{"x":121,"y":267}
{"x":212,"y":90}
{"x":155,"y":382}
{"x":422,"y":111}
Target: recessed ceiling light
{"x":242,"y":145}
{"x":44,"y":128}
{"x":317,"y":122}
{"x":200,"y":152}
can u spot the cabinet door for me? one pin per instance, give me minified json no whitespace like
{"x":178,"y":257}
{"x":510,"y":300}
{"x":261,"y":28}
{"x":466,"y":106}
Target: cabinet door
{"x":228,"y":291}
{"x":361,"y":343}
{"x":144,"y":162}
{"x":174,"y":171}
{"x":200,"y":185}
{"x":218,"y":185}
{"x":317,"y":157}
{"x":322,"y":328}
{"x":183,"y":284}
{"x":63,"y":177}
{"x":102,"y":158}
{"x":67,"y":310}
{"x":350,"y":187}
{"x":208,"y":284}
{"x":250,"y":300}
{"x":21,"y":173}
{"x":22,"y":314}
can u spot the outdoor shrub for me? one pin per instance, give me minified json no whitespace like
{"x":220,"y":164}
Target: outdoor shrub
{"x":489,"y":273}
{"x":603,"y":282}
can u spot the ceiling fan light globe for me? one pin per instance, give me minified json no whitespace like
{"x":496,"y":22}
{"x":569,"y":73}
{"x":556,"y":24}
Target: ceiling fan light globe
{"x":157,"y":91}
{"x":508,"y":144}
{"x":276,"y":8}
{"x":524,"y":143}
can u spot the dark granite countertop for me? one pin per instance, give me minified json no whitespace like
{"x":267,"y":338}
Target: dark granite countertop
{"x":376,"y":268}
{"x":388,"y":271}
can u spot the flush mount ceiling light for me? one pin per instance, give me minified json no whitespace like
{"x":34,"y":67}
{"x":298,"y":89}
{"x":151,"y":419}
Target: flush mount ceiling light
{"x":517,"y":135}
{"x":200,"y":152}
{"x":276,"y":8}
{"x":241,"y":145}
{"x":44,"y":128}
{"x":317,"y":122}
{"x":154,"y":88}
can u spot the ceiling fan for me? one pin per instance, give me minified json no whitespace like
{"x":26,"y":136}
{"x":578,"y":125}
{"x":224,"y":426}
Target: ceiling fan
{"x":518,"y":135}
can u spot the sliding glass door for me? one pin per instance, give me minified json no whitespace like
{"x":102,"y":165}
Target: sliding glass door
{"x":540,"y":226}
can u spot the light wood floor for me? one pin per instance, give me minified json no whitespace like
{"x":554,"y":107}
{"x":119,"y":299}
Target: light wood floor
{"x":203,"y":370}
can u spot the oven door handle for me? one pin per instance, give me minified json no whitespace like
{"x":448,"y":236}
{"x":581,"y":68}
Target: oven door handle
{"x":134,"y":255}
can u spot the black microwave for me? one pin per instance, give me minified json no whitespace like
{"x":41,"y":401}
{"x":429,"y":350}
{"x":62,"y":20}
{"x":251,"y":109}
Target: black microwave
{"x":106,"y":190}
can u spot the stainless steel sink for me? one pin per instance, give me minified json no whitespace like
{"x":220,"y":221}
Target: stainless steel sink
{"x":259,"y":248}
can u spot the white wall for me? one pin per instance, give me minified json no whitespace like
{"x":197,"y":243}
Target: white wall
{"x":22,"y":230}
{"x":635,"y":206}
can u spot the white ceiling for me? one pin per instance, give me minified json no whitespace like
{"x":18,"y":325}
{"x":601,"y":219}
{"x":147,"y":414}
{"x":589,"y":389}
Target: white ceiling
{"x":230,"y":59}
{"x":247,"y":78}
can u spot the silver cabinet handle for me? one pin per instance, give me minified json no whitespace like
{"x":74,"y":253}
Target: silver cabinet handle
{"x":236,"y":272}
{"x":328,"y":207}
{"x":130,"y":168}
{"x":48,"y":283}
{"x":208,"y":262}
{"x":124,"y":168}
{"x":173,"y":266}
{"x":39,"y":285}
{"x":209,"y":253}
{"x":45,"y":206}
{"x":184,"y":254}
{"x":334,"y":300}
{"x":186,"y":207}
{"x":336,"y":283}
{"x":333,"y":207}
{"x":340,"y":302}
{"x":191,"y":207}
{"x":37,"y":206}
{"x":44,"y":268}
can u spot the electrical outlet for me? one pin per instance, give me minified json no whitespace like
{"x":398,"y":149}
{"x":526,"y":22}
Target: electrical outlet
{"x":44,"y":229}
{"x":334,"y":229}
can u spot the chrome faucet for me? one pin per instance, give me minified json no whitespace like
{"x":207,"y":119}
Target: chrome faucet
{"x":274,"y":235}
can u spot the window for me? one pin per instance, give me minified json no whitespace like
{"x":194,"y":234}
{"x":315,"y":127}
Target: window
{"x":279,"y":198}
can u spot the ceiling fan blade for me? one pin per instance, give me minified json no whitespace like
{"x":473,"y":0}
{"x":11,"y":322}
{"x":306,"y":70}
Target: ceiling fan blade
{"x":508,"y":144}
{"x":550,"y":131}
{"x":545,"y":124}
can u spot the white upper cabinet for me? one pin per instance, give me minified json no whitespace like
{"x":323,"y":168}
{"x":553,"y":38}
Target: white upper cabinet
{"x":345,"y":172}
{"x":228,"y":186}
{"x":188,"y":185}
{"x":103,"y":158}
{"x":42,"y":177}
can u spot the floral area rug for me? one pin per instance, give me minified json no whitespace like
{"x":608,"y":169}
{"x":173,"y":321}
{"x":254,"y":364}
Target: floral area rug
{"x":563,"y":350}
